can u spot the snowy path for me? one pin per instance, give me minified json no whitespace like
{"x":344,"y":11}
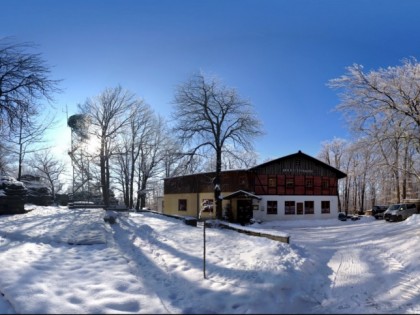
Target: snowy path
{"x":170,"y":259}
{"x":365,"y":274}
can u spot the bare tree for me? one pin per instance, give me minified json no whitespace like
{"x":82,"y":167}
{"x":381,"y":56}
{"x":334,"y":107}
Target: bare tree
{"x":208,"y":113}
{"x":176,"y":162}
{"x":233,"y":159}
{"x":152,"y":156}
{"x":27,"y":137}
{"x":145,"y":153}
{"x":109,"y":113}
{"x":333,"y":153}
{"x":50,"y":169}
{"x":24,"y":82}
{"x":139,"y":128}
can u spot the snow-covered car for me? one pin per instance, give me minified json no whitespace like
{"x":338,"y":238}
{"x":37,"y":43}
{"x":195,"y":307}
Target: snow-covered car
{"x":342,"y":216}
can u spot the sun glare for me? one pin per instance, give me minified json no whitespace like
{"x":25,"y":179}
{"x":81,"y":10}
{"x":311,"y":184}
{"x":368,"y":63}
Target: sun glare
{"x":92,"y":145}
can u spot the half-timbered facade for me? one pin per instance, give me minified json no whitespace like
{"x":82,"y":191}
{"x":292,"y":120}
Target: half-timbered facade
{"x":291,"y":187}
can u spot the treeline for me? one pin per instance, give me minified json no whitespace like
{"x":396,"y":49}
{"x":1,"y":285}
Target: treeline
{"x":382,"y":109}
{"x":120,"y":144}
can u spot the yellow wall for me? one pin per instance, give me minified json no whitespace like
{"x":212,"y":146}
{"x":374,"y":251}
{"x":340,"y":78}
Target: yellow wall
{"x":170,"y":205}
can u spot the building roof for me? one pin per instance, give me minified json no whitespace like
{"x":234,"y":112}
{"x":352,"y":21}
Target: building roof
{"x":212,"y":173}
{"x":241,"y":193}
{"x":339,"y":173}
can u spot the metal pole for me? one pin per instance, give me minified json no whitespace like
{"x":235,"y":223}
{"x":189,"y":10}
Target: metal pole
{"x":204,"y":249}
{"x":72,"y":161}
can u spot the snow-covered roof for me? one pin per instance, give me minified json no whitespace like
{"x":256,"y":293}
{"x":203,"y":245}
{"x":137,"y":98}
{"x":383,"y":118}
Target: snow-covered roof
{"x":241,"y":193}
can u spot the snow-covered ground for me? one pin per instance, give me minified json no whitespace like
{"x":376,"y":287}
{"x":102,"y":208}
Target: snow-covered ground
{"x":55,"y":260}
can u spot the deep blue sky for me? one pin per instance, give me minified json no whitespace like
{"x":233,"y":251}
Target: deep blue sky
{"x":278,"y":54}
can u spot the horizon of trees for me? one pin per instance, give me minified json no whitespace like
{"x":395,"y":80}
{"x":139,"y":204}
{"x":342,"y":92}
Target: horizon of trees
{"x":136,"y":148}
{"x":382,"y":108}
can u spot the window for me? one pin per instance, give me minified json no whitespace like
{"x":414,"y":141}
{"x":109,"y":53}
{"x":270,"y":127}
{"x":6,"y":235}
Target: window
{"x":271,"y":207}
{"x":182,"y":204}
{"x":299,"y":208}
{"x":290,"y":182}
{"x":272,"y":182}
{"x":309,"y":183}
{"x":325,"y":183}
{"x":289,"y":207}
{"x":325,"y":207}
{"x":309,"y":207}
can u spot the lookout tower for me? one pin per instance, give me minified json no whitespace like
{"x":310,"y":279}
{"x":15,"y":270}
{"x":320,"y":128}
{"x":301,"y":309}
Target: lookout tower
{"x":80,"y":157}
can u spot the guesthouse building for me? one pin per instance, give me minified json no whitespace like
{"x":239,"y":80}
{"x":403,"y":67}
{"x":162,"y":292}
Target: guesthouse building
{"x":295,"y":186}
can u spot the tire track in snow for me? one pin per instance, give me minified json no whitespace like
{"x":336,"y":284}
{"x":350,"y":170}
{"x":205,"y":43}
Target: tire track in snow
{"x":348,"y":267}
{"x":408,"y":286}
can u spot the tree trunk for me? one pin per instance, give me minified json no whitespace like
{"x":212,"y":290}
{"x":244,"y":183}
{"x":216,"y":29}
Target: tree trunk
{"x":132,"y":171}
{"x":217,"y":184}
{"x":104,"y":183}
{"x":405,"y":173}
{"x":397,"y":175}
{"x":20,"y":151}
{"x":107,"y":174}
{"x":138,"y":188}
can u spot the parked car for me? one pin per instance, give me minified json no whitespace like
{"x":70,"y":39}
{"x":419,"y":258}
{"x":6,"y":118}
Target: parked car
{"x":380,"y":215}
{"x":342,"y":216}
{"x":378,"y":211}
{"x":400,"y":211}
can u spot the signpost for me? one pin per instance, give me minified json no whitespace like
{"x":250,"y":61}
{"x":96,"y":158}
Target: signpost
{"x":204,"y":249}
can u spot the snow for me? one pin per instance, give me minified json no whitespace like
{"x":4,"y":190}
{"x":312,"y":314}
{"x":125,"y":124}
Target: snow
{"x":6,"y":181}
{"x":56,"y":260}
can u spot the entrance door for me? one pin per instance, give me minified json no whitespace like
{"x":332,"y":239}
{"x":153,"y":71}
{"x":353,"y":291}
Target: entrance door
{"x":244,"y":211}
{"x":299,"y":208}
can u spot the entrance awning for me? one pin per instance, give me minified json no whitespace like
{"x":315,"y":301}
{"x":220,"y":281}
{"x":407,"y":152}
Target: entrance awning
{"x":241,"y":194}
